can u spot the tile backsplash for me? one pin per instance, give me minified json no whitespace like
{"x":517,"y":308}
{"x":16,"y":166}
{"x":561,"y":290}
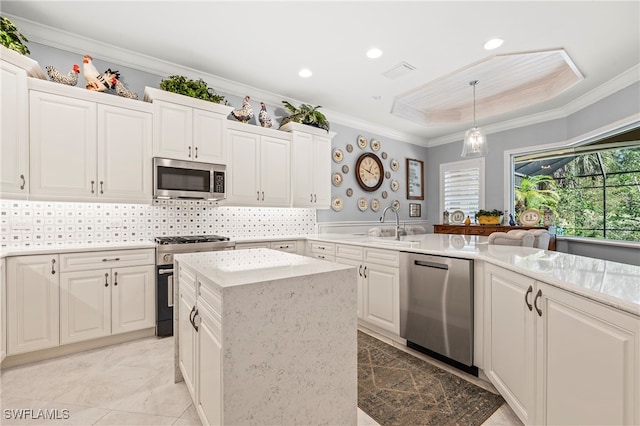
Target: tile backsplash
{"x":44,"y":223}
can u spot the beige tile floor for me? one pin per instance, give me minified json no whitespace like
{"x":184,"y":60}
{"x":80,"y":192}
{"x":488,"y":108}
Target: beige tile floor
{"x":126,"y":384}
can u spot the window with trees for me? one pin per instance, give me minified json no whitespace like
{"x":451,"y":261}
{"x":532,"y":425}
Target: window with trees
{"x":592,"y":191}
{"x":462,"y":186}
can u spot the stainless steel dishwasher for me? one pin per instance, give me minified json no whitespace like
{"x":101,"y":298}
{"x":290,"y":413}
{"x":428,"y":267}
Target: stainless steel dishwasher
{"x":436,"y":307}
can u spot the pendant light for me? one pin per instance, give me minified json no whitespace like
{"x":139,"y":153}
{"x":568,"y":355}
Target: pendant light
{"x":475,"y":141}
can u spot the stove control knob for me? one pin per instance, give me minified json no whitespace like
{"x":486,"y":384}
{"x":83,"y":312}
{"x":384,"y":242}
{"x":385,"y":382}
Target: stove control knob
{"x":168,"y":258}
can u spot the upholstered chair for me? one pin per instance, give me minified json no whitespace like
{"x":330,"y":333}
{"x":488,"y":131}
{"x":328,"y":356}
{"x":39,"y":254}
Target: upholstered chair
{"x":541,"y":238}
{"x":518,"y":238}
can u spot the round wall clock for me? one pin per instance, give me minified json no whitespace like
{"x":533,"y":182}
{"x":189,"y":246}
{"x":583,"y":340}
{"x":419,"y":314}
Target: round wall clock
{"x":369,"y":171}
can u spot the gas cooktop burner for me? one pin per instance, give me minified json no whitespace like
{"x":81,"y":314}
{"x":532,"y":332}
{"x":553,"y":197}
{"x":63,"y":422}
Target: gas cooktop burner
{"x":190,"y":239}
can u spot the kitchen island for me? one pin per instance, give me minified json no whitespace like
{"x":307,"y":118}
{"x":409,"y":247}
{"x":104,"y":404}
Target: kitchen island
{"x":265,"y":337}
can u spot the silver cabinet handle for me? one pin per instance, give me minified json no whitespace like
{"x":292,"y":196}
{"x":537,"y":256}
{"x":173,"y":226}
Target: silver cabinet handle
{"x":53,"y":266}
{"x":535,"y":302}
{"x":196,"y":152}
{"x":106,"y":279}
{"x":109,"y":260}
{"x":24,"y":182}
{"x":115,"y":278}
{"x":101,"y":187}
{"x":189,"y":152}
{"x":526,"y":298}
{"x":92,"y":183}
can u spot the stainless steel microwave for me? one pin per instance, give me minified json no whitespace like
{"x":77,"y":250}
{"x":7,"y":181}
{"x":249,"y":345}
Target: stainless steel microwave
{"x":175,"y":179}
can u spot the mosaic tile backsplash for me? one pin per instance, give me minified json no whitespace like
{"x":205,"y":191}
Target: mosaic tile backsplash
{"x":35,"y":223}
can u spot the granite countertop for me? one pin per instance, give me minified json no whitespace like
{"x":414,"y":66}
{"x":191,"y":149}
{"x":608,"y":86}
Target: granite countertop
{"x":239,"y":267}
{"x":612,"y":283}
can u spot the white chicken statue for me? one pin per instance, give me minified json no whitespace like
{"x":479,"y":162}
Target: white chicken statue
{"x":263,"y":116}
{"x":245,"y":113}
{"x":95,"y":80}
{"x":71,"y":78}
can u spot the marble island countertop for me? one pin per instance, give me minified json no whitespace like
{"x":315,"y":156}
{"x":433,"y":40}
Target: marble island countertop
{"x":614,"y":284}
{"x":231,"y":268}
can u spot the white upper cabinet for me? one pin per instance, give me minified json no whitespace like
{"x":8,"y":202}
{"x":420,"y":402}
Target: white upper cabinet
{"x":186,"y":128}
{"x":310,"y":166}
{"x":86,"y":150}
{"x":14,"y":132}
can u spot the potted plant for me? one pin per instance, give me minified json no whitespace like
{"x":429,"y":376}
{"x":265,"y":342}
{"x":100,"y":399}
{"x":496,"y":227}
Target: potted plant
{"x":305,"y":114}
{"x":489,"y":217}
{"x":193,"y":88}
{"x":11,"y":38}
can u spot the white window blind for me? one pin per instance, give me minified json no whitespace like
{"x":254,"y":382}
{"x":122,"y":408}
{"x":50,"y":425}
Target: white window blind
{"x":462,"y":186}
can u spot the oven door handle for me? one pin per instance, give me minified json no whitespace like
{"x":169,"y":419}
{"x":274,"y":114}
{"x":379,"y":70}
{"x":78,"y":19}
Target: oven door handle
{"x":170,"y":292}
{"x":165,"y":271}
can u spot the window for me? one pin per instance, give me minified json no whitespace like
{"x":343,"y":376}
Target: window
{"x":462,"y":186}
{"x":592,"y":190}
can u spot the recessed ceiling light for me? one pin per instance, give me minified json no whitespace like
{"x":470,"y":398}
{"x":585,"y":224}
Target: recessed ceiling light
{"x":305,"y":73}
{"x":494,"y":43}
{"x":374,"y":53}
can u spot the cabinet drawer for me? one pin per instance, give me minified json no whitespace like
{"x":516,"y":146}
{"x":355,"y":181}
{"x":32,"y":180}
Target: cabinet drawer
{"x":106,"y":259}
{"x":323,"y":256}
{"x":210,"y":294}
{"x":243,"y":246}
{"x":323,"y":248}
{"x":288,"y":246}
{"x":344,"y":251}
{"x":478,"y":231}
{"x":382,"y":257}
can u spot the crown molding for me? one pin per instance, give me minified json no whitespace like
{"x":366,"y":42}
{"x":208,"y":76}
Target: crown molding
{"x":70,"y":42}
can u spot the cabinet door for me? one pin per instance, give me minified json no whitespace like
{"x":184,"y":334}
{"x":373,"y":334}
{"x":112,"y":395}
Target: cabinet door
{"x":133,"y":298}
{"x":3,"y":313}
{"x":322,"y":197}
{"x":303,"y":160}
{"x":275,"y":163}
{"x":172,"y":130}
{"x":32,"y":303}
{"x":209,"y":366}
{"x":124,"y":153}
{"x":243,"y":172}
{"x":186,"y":332}
{"x":85,"y":305}
{"x":509,"y":339}
{"x":208,"y":137}
{"x":588,"y":361}
{"x":382,"y":296}
{"x":360,"y":267}
{"x":62,"y":146}
{"x":14,"y":132}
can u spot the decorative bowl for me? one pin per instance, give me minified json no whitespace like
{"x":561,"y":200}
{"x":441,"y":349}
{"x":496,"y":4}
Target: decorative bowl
{"x":489,"y":220}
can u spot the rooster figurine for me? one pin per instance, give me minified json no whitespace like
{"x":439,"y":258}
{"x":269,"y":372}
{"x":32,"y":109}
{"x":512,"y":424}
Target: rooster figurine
{"x":121,"y":90}
{"x":245,"y":113}
{"x":264,"y":117}
{"x":95,"y":80}
{"x":71,"y":78}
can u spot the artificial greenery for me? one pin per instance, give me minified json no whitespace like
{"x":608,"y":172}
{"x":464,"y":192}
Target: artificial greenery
{"x":305,"y":114}
{"x":11,"y":38}
{"x":194,"y":88}
{"x":493,"y":212}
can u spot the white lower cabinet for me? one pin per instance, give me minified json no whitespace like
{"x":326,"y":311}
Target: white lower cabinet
{"x":32,"y":303}
{"x":558,"y":358}
{"x":3,"y":313}
{"x":186,"y":330}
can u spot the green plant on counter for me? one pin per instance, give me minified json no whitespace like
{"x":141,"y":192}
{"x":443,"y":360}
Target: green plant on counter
{"x":193,"y":88}
{"x":305,"y":114}
{"x":11,"y":38}
{"x":493,"y":212}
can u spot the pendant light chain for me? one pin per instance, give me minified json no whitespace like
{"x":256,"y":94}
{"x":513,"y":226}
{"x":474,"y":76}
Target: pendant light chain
{"x":474,"y":83}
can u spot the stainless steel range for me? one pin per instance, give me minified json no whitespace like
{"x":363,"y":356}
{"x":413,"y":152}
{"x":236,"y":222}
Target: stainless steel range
{"x":165,"y":249}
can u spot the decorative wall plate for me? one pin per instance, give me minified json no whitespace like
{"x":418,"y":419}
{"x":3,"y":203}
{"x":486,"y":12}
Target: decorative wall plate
{"x":395,"y":185}
{"x":395,"y":165}
{"x":363,"y":204}
{"x":530,"y":217}
{"x":384,"y":194}
{"x":456,"y":217}
{"x":345,"y":169}
{"x":396,"y":205}
{"x":375,"y":204}
{"x":387,"y":175}
{"x":338,"y":156}
{"x":336,"y":203}
{"x":337,"y":179}
{"x":375,"y":144}
{"x":384,"y":155}
{"x":362,"y":142}
{"x":349,"y":147}
{"x":349,"y":192}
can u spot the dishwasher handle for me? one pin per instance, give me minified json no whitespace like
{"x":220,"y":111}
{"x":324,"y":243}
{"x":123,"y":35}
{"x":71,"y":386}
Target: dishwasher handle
{"x":431,"y":264}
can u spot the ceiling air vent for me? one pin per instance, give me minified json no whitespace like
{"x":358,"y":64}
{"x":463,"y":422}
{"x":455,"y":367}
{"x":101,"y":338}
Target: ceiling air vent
{"x":399,"y":70}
